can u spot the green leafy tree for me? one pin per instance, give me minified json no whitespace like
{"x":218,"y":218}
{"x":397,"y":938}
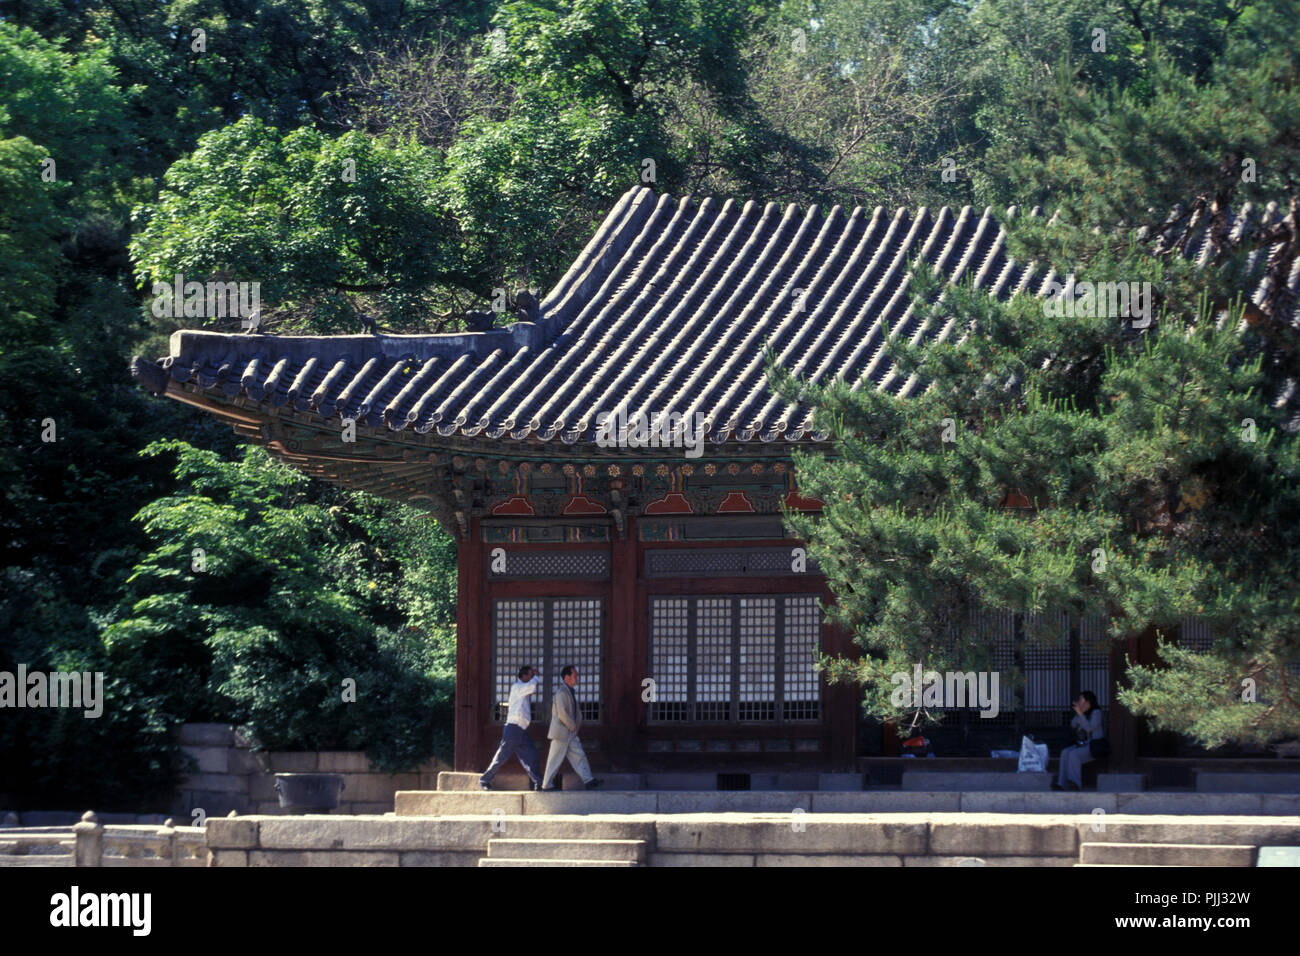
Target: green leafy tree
{"x":324,"y":225}
{"x":242,"y":612}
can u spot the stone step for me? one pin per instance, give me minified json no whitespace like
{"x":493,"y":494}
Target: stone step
{"x":534,"y":849}
{"x":1216,"y":782}
{"x":969,"y":782}
{"x":504,"y":861}
{"x":1167,"y":854}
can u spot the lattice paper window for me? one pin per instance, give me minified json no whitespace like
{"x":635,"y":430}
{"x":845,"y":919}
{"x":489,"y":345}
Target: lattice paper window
{"x":670,"y":658}
{"x":713,"y":659}
{"x":735,"y":658}
{"x":576,"y":640}
{"x":801,"y":693}
{"x":548,"y":633}
{"x":757,"y":661}
{"x":518,"y":638}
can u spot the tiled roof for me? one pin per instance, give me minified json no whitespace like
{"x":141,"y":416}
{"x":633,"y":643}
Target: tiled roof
{"x":667,"y":309}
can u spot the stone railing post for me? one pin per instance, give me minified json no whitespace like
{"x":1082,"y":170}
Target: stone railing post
{"x":167,"y":847}
{"x":90,"y":840}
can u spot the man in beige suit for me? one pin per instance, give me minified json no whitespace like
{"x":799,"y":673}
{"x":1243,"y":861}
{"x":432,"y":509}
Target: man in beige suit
{"x":566,"y":718}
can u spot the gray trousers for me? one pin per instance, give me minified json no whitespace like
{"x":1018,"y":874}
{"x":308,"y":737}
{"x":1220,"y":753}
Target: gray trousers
{"x":1072,"y":761}
{"x":571,"y":748}
{"x":515,"y":742}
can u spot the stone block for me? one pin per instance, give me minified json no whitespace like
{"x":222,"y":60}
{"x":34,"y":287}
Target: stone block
{"x":373,"y":833}
{"x":457,"y":780}
{"x":1035,"y":861}
{"x":208,"y":759}
{"x":243,"y":761}
{"x":216,"y":783}
{"x":783,"y":781}
{"x":1051,"y":802}
{"x":439,"y":858}
{"x":681,"y":781}
{"x":228,"y":858}
{"x":827,"y":859}
{"x":590,"y":801}
{"x":605,"y":826}
{"x":973,"y":781}
{"x":320,"y":858}
{"x":1121,"y":782}
{"x":733,"y":801}
{"x":288,"y":762}
{"x":342,"y":761}
{"x":1260,"y":831}
{"x":1190,"y":803}
{"x":886,"y":801}
{"x":1280,"y":803}
{"x":261,"y":787}
{"x":1147,"y":854}
{"x":207,"y":735}
{"x":592,"y":849}
{"x":244,"y":738}
{"x":374,"y":787}
{"x":232,"y":833}
{"x":981,"y":839}
{"x":841,"y":781}
{"x":1207,"y":782}
{"x":611,"y":782}
{"x":701,"y":859}
{"x":807,"y":835}
{"x":437,"y":803}
{"x":365,"y":809}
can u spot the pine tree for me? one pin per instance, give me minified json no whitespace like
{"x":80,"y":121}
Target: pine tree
{"x":1141,"y":472}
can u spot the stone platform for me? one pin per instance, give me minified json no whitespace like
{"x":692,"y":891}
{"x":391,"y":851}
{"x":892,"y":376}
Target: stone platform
{"x":519,"y":803}
{"x":788,"y":838}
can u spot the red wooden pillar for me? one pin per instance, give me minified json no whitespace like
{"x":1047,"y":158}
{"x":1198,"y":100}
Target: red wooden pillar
{"x":471,"y":646}
{"x":623,"y":669}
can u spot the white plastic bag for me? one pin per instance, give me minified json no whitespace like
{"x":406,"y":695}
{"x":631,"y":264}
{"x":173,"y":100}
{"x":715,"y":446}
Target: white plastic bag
{"x":1033,"y":757}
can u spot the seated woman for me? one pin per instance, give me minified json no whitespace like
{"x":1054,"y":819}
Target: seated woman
{"x":1090,"y":730}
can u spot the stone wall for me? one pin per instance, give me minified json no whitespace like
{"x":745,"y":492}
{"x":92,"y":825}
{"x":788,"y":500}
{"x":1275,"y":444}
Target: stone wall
{"x":232,"y":775}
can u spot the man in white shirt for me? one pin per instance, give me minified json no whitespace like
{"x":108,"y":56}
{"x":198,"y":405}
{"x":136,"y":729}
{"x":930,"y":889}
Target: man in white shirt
{"x":515,"y":741}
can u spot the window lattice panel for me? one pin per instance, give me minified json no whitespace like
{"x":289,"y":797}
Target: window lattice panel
{"x":518,"y":638}
{"x":713,"y":659}
{"x":1049,"y":687}
{"x":548,"y":633}
{"x":757,"y":663}
{"x":576,"y":627}
{"x":801,"y":694}
{"x":591,"y":565}
{"x":670,"y":649}
{"x":741,"y":658}
{"x":1094,"y":659}
{"x":1047,"y":662}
